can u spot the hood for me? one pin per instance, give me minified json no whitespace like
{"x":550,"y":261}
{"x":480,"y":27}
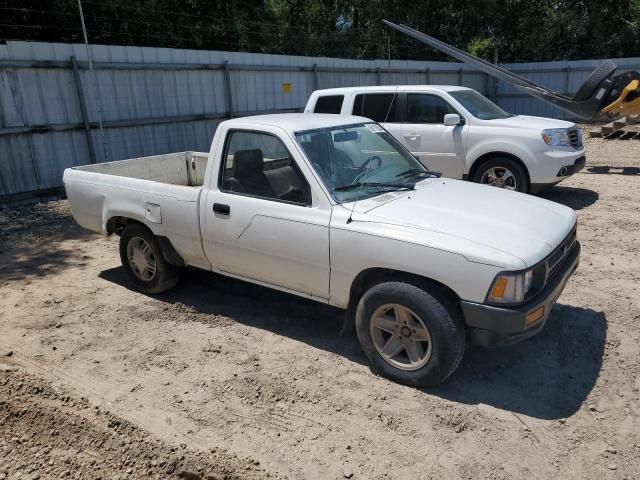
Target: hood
{"x":527,"y":121}
{"x":522,"y":226}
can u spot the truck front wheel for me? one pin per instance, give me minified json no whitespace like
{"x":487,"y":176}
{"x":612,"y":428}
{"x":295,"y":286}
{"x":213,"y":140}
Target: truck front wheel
{"x":143,"y":262}
{"x":408,"y":334}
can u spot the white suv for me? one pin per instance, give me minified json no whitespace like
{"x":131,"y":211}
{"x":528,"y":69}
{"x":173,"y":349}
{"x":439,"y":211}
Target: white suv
{"x":457,"y":131}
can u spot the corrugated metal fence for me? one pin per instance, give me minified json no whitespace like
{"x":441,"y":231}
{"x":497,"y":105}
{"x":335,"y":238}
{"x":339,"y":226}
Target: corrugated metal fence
{"x":158,"y":100}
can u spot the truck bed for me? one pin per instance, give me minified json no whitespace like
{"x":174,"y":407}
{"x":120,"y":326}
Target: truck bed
{"x":161,"y":191}
{"x":181,"y":168}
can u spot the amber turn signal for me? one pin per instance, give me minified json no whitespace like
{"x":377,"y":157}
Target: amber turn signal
{"x":535,"y":315}
{"x":499,"y":287}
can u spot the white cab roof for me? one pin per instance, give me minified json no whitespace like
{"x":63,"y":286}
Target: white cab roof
{"x":392,"y":88}
{"x":298,"y":122}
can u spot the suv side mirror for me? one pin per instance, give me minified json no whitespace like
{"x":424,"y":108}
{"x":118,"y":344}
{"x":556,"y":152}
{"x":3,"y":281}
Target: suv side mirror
{"x":452,"y":119}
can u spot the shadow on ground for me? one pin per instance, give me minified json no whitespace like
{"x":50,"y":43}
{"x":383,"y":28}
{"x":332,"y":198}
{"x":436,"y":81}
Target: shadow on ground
{"x":576,"y":198}
{"x":613,"y":170}
{"x":623,"y":135}
{"x":211,"y":295}
{"x":31,"y":240}
{"x":548,"y":376}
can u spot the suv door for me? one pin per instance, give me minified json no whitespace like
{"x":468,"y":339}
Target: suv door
{"x":261,"y":222}
{"x":380,"y":107}
{"x":441,"y":148}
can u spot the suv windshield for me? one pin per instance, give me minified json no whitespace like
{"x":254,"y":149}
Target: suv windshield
{"x":478,"y":105}
{"x":362,"y":160}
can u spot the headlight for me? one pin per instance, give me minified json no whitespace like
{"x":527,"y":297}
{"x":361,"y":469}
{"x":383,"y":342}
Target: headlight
{"x":510,"y":287}
{"x":557,"y":137}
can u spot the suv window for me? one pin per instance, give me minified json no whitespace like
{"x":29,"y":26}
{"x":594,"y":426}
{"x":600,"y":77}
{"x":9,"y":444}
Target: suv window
{"x":258,"y":164}
{"x":424,"y":108}
{"x":329,"y":104}
{"x":379,"y":107}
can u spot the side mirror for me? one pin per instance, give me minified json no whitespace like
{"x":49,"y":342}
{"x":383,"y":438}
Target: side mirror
{"x":452,"y":119}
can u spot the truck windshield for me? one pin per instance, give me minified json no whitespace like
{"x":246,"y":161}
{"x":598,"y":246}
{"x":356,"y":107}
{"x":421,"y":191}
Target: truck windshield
{"x":478,"y":105}
{"x":359,"y":161}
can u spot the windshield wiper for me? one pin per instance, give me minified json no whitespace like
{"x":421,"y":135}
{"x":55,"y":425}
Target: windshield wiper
{"x":394,"y":185}
{"x":416,"y":172}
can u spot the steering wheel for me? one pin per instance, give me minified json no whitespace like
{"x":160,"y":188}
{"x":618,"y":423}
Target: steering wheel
{"x":365,"y":167}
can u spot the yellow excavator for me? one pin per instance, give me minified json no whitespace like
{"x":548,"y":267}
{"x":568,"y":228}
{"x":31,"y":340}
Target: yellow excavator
{"x":602,"y":97}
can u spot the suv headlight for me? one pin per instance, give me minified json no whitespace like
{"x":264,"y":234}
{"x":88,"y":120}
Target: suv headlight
{"x":510,"y":288}
{"x":557,"y":137}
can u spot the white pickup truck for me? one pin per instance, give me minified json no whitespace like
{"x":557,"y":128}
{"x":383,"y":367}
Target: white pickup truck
{"x":459,"y":132}
{"x":334,"y":209}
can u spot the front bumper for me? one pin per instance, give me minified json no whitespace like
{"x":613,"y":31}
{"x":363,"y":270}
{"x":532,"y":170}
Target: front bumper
{"x":575,"y":167}
{"x":492,"y":326}
{"x":554,"y":166}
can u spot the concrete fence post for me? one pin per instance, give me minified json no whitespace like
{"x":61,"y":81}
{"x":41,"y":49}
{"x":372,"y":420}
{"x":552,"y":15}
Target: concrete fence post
{"x":315,"y":76}
{"x":228,"y":90}
{"x":83,"y":109}
{"x":567,"y":83}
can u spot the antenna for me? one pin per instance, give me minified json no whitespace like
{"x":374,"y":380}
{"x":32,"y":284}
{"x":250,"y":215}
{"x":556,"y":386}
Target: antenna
{"x":350,"y":219}
{"x":393,"y":99}
{"x":395,"y":94}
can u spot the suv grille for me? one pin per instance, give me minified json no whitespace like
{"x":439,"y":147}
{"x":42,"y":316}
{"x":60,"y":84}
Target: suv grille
{"x":558,"y":257}
{"x":575,"y":137}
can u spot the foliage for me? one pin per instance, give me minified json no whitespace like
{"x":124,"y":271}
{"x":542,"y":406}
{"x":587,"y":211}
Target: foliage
{"x":521,"y":30}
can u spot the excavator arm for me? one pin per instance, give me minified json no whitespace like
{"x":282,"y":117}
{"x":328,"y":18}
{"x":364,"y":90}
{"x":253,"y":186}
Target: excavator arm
{"x":602,"y":96}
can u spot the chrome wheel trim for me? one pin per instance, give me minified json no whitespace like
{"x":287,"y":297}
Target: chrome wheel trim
{"x":142,"y":259}
{"x":500,"y":177}
{"x":400,"y":337}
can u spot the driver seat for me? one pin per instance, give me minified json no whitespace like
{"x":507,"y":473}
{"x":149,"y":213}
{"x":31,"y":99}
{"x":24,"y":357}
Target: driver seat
{"x":249,"y":173}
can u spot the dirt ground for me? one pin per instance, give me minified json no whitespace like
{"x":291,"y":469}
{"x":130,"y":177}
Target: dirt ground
{"x":222,"y":379}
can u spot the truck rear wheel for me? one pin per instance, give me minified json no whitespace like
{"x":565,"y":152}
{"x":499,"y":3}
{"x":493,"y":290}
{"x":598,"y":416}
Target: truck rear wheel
{"x":408,"y":334}
{"x":143,"y":262}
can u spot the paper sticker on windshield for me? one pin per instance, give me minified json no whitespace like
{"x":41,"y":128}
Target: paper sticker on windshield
{"x":374,"y":127}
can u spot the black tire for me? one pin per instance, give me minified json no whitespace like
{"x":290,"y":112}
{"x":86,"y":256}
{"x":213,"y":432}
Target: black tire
{"x":591,"y":84}
{"x":165,"y":276}
{"x":519,"y":173}
{"x":444,"y":324}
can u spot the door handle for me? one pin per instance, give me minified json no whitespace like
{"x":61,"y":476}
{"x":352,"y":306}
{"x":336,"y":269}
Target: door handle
{"x":221,"y":209}
{"x":412,"y":137}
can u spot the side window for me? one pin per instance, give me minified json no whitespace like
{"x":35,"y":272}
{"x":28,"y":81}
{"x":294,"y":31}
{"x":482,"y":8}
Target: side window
{"x":423,"y":108}
{"x":379,"y":107}
{"x":329,"y":104}
{"x":258,"y":164}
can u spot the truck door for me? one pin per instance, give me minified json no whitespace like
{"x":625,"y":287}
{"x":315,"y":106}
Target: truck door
{"x":261,"y":220}
{"x":441,"y":148}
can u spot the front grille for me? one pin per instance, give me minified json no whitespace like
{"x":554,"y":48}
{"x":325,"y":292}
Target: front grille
{"x":575,"y":137}
{"x":559,"y":256}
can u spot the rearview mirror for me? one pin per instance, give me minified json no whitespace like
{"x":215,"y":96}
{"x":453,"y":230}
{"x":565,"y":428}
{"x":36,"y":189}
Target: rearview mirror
{"x":452,"y":119}
{"x":345,"y":136}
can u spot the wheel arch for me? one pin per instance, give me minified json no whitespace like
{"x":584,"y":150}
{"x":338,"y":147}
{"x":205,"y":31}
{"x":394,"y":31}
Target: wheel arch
{"x":117,"y":223}
{"x":485,"y":157}
{"x":372,"y":276}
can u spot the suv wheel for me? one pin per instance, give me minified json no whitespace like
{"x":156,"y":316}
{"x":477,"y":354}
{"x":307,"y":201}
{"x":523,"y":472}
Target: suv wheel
{"x":408,"y":334}
{"x":502,"y":173}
